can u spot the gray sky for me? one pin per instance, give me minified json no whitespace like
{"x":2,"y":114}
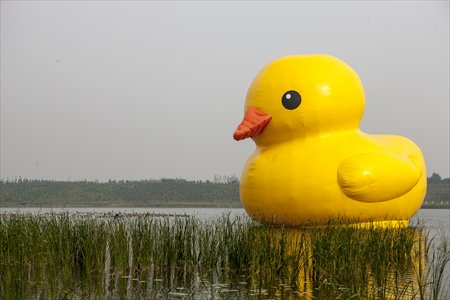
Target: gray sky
{"x":147,"y":89}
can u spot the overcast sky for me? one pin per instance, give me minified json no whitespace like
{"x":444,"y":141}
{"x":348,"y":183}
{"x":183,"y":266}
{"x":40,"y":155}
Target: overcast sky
{"x":148,"y":89}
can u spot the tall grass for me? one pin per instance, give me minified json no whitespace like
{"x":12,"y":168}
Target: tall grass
{"x":59,"y":256}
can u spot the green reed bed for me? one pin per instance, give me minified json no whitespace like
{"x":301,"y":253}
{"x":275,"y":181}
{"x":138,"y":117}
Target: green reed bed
{"x":60,"y":256}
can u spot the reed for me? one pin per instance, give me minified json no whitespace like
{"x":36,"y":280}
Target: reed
{"x":59,"y":256}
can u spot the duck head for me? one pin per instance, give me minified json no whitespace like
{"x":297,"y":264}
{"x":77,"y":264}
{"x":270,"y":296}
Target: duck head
{"x":301,"y":95}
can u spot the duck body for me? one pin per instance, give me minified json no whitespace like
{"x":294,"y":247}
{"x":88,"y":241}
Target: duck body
{"x":298,"y":182}
{"x":308,"y":166}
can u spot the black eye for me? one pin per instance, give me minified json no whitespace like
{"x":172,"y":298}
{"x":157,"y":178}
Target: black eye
{"x":291,"y":100}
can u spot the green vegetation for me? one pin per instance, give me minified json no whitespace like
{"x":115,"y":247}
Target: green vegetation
{"x":438,"y":192}
{"x":143,"y":193}
{"x":60,"y":257}
{"x":222,"y":192}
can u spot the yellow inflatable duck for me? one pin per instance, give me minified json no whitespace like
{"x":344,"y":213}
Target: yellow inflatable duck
{"x":312,"y":164}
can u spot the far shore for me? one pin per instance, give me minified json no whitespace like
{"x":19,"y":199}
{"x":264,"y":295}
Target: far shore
{"x":175,"y":205}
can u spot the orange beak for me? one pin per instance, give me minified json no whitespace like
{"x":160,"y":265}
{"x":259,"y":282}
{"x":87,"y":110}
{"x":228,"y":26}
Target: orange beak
{"x":253,"y":124}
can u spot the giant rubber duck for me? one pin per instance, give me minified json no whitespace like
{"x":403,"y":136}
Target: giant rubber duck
{"x":312,"y":163}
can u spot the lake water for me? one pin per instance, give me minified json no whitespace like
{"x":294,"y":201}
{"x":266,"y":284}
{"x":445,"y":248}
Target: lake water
{"x":435,"y":219}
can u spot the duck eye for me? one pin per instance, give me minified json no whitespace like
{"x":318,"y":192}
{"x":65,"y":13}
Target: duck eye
{"x":291,"y":100}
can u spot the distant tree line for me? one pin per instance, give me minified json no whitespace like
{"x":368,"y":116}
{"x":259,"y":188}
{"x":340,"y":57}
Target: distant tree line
{"x":222,"y":191}
{"x":163,"y":192}
{"x":435,"y":178}
{"x":438,"y":192}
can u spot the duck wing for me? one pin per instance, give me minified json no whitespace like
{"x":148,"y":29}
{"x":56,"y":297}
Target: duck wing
{"x":377,"y":177}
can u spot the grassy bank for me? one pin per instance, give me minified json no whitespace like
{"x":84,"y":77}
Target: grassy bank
{"x":141,"y":193}
{"x":67,"y":257}
{"x":149,"y":193}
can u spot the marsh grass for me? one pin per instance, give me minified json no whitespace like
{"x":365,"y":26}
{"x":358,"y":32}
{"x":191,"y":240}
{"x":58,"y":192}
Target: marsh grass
{"x":60,"y":256}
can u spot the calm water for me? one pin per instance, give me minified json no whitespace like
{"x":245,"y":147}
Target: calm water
{"x":435,"y":219}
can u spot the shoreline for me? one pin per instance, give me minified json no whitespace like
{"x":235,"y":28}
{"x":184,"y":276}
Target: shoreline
{"x":175,"y":205}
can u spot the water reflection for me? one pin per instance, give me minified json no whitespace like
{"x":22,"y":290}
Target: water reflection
{"x":307,"y":264}
{"x":147,"y":257}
